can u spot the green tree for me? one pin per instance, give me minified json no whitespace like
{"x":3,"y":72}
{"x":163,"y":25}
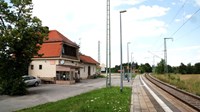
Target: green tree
{"x":160,"y":67}
{"x":183,"y":69}
{"x":197,"y":68}
{"x":145,"y":68}
{"x":170,"y":69}
{"x":21,"y":35}
{"x":190,"y":68}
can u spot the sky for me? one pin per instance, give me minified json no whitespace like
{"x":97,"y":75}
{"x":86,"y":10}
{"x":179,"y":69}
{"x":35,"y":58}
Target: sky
{"x":145,"y":25}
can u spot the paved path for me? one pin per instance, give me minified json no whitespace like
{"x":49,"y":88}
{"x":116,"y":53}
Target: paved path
{"x":140,"y":99}
{"x":53,"y":92}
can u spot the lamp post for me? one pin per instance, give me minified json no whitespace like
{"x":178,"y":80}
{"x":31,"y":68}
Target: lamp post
{"x":121,"y":84}
{"x":128,"y":68}
{"x":131,"y":66}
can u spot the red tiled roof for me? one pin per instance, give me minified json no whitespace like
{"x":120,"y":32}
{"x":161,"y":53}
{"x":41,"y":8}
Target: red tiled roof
{"x":88,"y":59}
{"x":53,"y":46}
{"x":50,"y":49}
{"x":55,"y":36}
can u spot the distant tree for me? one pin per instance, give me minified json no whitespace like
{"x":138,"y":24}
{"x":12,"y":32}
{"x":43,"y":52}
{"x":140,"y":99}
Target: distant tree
{"x":145,"y":68}
{"x":148,"y":68}
{"x":21,"y":35}
{"x":182,"y":69}
{"x":197,"y":68}
{"x":160,"y":67}
{"x":115,"y":69}
{"x":142,"y":68}
{"x":175,"y":70}
{"x":136,"y":65}
{"x":170,"y":69}
{"x":190,"y":69}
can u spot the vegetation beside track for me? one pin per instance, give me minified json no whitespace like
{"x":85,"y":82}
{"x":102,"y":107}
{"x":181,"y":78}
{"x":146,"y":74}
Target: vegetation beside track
{"x":189,"y":83}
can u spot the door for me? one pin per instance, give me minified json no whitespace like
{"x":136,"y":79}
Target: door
{"x":89,"y":71}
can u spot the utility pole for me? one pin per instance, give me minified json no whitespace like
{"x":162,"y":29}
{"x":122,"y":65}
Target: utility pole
{"x":154,"y":55}
{"x":128,"y":67}
{"x":121,"y":69}
{"x":165,"y":54}
{"x":99,"y":55}
{"x":131,"y":67}
{"x":108,"y":45}
{"x":99,"y":52}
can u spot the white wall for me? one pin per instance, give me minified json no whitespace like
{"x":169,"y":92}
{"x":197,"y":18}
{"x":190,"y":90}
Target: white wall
{"x":84,"y":70}
{"x":48,"y":68}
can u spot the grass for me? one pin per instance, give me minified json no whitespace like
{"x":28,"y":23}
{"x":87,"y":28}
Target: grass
{"x":190,"y":83}
{"x":101,"y":76}
{"x":134,"y":75}
{"x":101,"y":100}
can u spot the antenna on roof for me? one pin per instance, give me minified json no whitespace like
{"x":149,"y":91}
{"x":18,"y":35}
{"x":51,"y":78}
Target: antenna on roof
{"x":79,"y":44}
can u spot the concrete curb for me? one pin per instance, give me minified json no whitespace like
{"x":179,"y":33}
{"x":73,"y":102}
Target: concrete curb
{"x":131,"y":107}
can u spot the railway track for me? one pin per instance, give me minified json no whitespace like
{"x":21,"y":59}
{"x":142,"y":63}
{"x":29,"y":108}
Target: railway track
{"x":188,"y":98}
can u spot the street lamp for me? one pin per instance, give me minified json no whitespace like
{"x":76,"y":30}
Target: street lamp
{"x":131,"y":65}
{"x":128,"y":70}
{"x":121,"y":84}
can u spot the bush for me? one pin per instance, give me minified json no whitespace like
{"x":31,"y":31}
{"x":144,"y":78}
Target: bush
{"x":13,"y":87}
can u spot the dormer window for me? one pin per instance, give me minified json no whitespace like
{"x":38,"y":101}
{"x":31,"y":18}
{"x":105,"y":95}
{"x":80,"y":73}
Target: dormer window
{"x":69,"y":50}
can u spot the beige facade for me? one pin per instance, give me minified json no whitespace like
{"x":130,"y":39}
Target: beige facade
{"x":55,"y":69}
{"x":52,"y":68}
{"x":87,"y":70}
{"x":43,"y":68}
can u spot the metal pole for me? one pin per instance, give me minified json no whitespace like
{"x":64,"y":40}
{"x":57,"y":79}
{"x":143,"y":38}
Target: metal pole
{"x":131,"y":66}
{"x":109,"y":46}
{"x":121,"y":84}
{"x":165,"y":54}
{"x":99,"y":56}
{"x":128,"y":59}
{"x":107,"y":38}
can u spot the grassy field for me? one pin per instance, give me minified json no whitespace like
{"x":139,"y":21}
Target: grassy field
{"x":190,"y":83}
{"x":101,"y":100}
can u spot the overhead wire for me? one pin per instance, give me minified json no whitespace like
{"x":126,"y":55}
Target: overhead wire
{"x":185,"y":22}
{"x":189,"y":32}
{"x":170,"y":22}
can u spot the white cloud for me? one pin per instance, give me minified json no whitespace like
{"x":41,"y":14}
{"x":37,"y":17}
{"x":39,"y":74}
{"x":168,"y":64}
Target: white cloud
{"x":87,"y":20}
{"x":177,"y":20}
{"x":173,"y":3}
{"x":115,"y":3}
{"x":197,"y":2}
{"x":183,"y":54}
{"x":185,"y":49}
{"x":188,"y":16}
{"x":146,"y":12}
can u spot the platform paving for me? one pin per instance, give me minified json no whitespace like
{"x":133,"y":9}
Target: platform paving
{"x":141,"y":101}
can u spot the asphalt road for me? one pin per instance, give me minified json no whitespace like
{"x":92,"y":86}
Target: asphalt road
{"x":53,"y":92}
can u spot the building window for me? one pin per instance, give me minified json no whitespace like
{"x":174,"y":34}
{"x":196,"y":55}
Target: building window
{"x":32,"y":67}
{"x":69,"y":50}
{"x":40,"y":67}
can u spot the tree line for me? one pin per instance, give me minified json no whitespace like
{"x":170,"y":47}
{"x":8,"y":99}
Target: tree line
{"x":159,"y":68}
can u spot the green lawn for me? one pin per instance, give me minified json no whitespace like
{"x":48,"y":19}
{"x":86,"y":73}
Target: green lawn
{"x":101,"y":100}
